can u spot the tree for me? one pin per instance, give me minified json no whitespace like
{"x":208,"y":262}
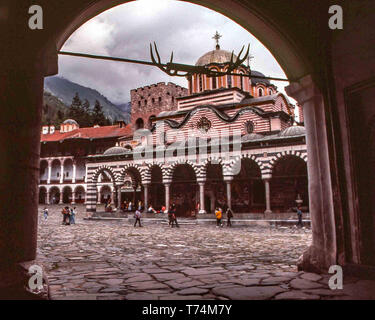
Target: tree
{"x":85,"y":116}
{"x":75,"y":110}
{"x":98,"y":115}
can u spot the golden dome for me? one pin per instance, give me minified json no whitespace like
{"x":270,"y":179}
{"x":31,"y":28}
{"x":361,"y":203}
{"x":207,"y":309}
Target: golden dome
{"x":215,"y":56}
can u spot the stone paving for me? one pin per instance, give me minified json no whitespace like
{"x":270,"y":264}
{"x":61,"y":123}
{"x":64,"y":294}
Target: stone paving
{"x":113,"y":260}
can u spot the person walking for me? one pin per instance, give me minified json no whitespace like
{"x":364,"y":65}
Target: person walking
{"x":66,"y":214}
{"x":45,"y":213}
{"x":219,"y":216}
{"x":72,"y":218}
{"x":130,"y":206}
{"x":173,"y":219}
{"x":299,"y":215}
{"x":229,"y":217}
{"x":137,"y":216}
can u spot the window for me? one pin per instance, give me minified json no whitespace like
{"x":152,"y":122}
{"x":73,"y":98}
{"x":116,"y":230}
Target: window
{"x":249,"y":126}
{"x":270,"y":91}
{"x":139,"y":124}
{"x":260,"y":92}
{"x":242,"y":80}
{"x":200,"y":83}
{"x":214,"y":83}
{"x":229,"y":81}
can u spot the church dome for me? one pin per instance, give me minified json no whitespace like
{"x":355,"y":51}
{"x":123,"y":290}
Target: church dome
{"x":115,"y":150}
{"x":70,"y":121}
{"x":215,"y":56}
{"x":293,"y":131}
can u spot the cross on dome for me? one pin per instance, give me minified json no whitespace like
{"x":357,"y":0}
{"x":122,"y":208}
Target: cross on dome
{"x":217,"y":36}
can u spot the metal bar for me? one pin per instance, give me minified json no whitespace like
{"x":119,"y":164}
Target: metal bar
{"x":92,"y":56}
{"x":184,"y":66}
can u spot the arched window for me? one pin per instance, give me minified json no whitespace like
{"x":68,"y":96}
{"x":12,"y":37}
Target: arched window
{"x":139,"y":124}
{"x":260,"y":92}
{"x":270,"y":91}
{"x":229,"y":81}
{"x":242,"y":80}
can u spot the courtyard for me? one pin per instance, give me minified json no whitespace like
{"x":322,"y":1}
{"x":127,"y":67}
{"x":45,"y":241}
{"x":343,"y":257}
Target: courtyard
{"x":113,"y":260}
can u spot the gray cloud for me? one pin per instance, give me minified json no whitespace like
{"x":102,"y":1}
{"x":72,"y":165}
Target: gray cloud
{"x":127,"y":30}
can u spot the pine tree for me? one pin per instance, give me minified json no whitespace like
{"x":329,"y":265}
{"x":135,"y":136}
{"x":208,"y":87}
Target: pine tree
{"x":75,"y":110}
{"x":98,"y":115}
{"x":85,"y":117}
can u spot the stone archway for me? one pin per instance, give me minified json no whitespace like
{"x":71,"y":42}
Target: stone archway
{"x":92,"y":194}
{"x":184,"y":189}
{"x":43,"y":195}
{"x":286,"y":38}
{"x":248,"y":193}
{"x":289,"y":182}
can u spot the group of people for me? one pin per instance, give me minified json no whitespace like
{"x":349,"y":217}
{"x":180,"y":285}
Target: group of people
{"x":171,"y":215}
{"x":219,"y":216}
{"x":69,"y":215}
{"x":130,"y":206}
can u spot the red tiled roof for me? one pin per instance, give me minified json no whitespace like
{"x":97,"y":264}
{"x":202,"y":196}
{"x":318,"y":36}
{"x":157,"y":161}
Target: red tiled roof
{"x":89,"y":133}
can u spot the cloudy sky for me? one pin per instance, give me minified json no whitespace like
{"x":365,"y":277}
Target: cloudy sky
{"x":126,"y":31}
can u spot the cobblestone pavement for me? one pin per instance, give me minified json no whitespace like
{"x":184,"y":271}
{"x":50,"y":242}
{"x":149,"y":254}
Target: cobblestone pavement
{"x":114,"y":260}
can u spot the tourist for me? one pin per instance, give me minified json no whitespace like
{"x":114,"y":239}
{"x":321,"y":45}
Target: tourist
{"x":140,"y":205}
{"x":45,"y":213}
{"x":219,"y":216}
{"x":72,"y":218}
{"x":66,"y":214}
{"x":173,"y":218}
{"x":164,"y":209}
{"x":151,"y":209}
{"x":299,"y":215}
{"x":137,"y":216}
{"x":130,"y":206}
{"x":229,"y":216}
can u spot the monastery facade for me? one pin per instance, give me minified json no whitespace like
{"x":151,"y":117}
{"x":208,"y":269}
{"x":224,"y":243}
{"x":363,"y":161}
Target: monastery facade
{"x":229,"y":140}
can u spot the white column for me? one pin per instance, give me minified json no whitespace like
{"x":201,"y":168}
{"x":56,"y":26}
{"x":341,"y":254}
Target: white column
{"x":62,"y":172}
{"x":118,"y":197}
{"x":268,"y":195}
{"x":228,"y":180}
{"x":73,"y":197}
{"x":201,"y":197}
{"x":167,"y":199}
{"x":48,"y":199}
{"x":145,"y":191}
{"x":74,"y":172}
{"x":99,"y":195}
{"x":49,"y":171}
{"x":61,"y":197}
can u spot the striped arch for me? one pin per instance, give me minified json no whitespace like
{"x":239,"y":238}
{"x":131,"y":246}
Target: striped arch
{"x":202,"y":169}
{"x":169,"y":170}
{"x":300,"y":154}
{"x":147,"y":171}
{"x":234,"y":166}
{"x":104,"y":168}
{"x":136,"y":173}
{"x":91,"y":192}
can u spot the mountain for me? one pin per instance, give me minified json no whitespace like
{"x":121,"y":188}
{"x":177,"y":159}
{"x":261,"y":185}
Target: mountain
{"x":125,"y":107}
{"x":65,"y":90}
{"x":53,"y":109}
